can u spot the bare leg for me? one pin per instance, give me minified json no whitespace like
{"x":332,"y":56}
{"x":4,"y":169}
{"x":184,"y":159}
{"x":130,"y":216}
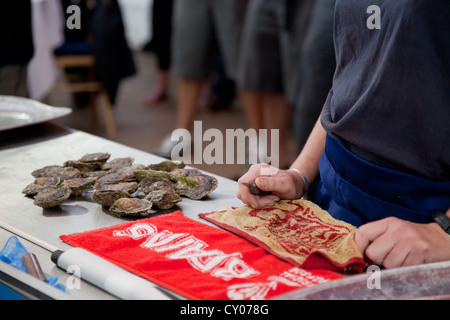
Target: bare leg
{"x":187,"y":102}
{"x":253,"y":106}
{"x":161,"y":89}
{"x":277,"y":114}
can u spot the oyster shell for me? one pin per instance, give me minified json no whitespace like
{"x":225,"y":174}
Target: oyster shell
{"x":146,"y":184}
{"x":162,"y":194}
{"x":95,"y":157}
{"x":51,"y":197}
{"x":192,"y":183}
{"x":39,"y":184}
{"x":142,"y":174}
{"x":119,"y":179}
{"x":96,"y":174}
{"x":65,"y":173}
{"x":184,"y":172}
{"x":166,"y":165}
{"x":83,"y":166}
{"x":108,"y":197}
{"x":110,"y":178}
{"x":130,"y":207}
{"x":118,"y":163}
{"x":129,"y":171}
{"x":78,"y":185}
{"x":129,"y":187}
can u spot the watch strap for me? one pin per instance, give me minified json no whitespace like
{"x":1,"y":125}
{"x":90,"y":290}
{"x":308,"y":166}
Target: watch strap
{"x":442,"y":220}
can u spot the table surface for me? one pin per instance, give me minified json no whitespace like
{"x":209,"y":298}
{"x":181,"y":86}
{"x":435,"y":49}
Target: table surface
{"x":27,"y":149}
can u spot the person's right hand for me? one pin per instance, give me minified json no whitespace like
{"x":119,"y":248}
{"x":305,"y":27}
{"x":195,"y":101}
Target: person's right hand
{"x":283,"y":184}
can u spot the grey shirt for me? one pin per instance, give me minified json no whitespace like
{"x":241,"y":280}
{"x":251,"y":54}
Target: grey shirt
{"x":390,"y":101}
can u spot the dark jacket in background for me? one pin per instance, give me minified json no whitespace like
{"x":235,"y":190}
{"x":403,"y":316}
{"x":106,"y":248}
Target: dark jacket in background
{"x":15,"y":32}
{"x":113,"y":56}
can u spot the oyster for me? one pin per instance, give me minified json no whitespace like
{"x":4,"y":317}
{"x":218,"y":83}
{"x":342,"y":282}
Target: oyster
{"x":64,"y":173}
{"x":119,"y":183}
{"x":142,"y":174}
{"x":89,"y":162}
{"x":83,"y":166}
{"x":39,"y":184}
{"x":110,"y":178}
{"x":78,"y":185}
{"x":108,"y":197}
{"x":96,"y":174}
{"x":130,"y":206}
{"x":95,"y":157}
{"x":129,"y":171}
{"x":129,"y":187}
{"x":118,"y":163}
{"x":192,"y":183}
{"x":146,"y":184}
{"x":162,"y":194}
{"x":51,"y":197}
{"x":166,"y":165}
{"x":184,"y":172}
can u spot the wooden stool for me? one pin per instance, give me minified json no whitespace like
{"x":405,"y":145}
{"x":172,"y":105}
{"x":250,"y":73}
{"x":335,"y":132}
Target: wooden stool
{"x":91,"y":85}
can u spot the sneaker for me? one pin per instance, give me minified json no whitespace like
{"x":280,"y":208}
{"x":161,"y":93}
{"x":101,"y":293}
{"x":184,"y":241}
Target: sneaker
{"x":166,"y":146}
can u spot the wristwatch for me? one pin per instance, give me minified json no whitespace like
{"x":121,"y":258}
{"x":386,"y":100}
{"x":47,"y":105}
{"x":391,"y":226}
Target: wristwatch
{"x":442,"y":220}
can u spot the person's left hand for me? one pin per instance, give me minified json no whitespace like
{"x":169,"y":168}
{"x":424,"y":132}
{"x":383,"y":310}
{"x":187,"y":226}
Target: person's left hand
{"x":392,"y":242}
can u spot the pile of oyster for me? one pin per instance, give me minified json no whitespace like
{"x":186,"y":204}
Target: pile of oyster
{"x":128,"y":189}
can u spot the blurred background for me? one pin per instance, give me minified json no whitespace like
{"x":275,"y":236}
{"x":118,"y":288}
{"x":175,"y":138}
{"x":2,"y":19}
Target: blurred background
{"x":152,"y":66}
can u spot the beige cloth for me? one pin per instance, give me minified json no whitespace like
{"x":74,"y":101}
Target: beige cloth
{"x":298,"y":231}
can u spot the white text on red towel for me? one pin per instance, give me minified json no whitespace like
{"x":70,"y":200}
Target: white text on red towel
{"x":184,"y":246}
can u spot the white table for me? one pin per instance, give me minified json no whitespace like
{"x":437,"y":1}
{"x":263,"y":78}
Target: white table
{"x":26,"y":149}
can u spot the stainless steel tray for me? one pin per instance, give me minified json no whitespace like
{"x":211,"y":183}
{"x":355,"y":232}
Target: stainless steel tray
{"x":16,"y":112}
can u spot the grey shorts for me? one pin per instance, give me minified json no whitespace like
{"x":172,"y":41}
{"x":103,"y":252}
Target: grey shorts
{"x":200,"y":26}
{"x":271,"y":44}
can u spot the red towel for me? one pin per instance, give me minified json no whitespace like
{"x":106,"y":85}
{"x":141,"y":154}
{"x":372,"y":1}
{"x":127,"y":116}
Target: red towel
{"x":195,"y":260}
{"x":297,"y":231}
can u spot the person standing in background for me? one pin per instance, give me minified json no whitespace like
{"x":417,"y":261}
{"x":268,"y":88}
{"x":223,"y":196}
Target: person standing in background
{"x":198,"y":26}
{"x":161,"y":46}
{"x":113,"y":57}
{"x":316,"y":71}
{"x":272,"y":39}
{"x":17,"y":46}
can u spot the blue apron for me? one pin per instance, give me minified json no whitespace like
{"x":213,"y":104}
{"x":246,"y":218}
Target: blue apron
{"x":357,"y":191}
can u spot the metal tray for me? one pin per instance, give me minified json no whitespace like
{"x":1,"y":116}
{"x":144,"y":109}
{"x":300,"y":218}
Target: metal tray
{"x":16,"y":112}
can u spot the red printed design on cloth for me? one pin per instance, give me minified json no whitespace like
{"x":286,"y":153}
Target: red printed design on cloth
{"x":195,"y":260}
{"x":297,"y":231}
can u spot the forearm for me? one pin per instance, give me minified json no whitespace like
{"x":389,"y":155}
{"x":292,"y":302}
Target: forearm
{"x":308,"y":160}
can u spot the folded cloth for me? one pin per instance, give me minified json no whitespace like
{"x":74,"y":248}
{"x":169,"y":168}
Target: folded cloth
{"x":196,"y":260}
{"x":297,"y":231}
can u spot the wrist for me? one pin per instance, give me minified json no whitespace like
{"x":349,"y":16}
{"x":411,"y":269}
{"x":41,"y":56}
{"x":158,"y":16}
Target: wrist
{"x":301,"y":182}
{"x":442,"y":221}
